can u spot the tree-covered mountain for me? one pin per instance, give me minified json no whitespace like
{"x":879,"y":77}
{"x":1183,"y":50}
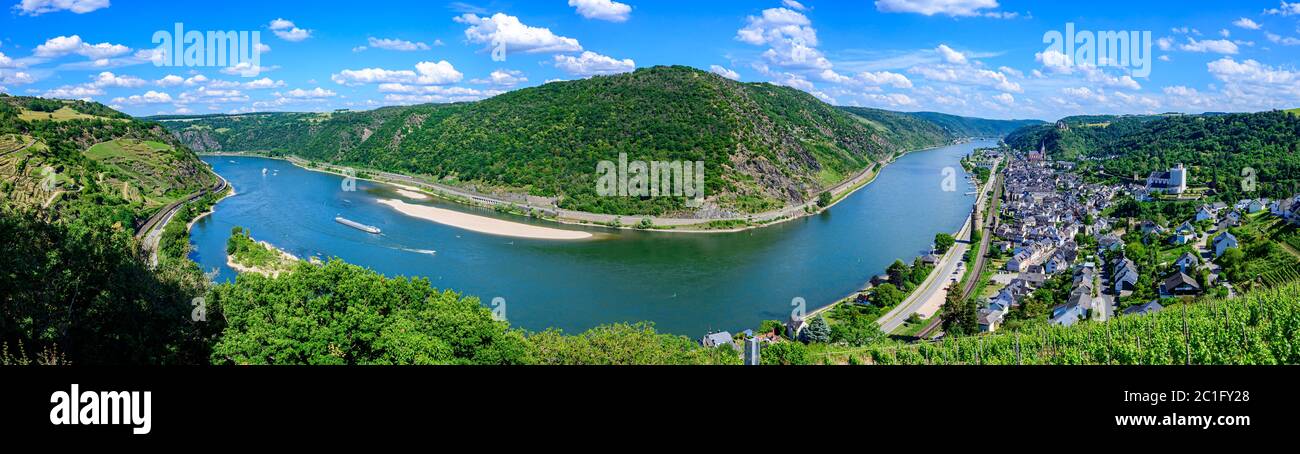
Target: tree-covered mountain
{"x":1218,"y":147}
{"x":764,"y":146}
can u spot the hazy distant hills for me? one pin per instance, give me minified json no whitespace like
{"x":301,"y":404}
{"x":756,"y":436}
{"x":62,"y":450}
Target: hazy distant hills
{"x":764,"y":146}
{"x":974,"y":127}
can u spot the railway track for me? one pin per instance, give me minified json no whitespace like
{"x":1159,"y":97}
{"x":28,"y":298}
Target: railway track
{"x":981,"y":260}
{"x":150,"y":232}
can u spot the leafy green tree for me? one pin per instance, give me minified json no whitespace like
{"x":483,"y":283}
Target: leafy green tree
{"x":771,"y":326}
{"x":887,"y":295}
{"x":824,"y":199}
{"x":943,"y":242}
{"x":959,"y":315}
{"x":340,"y":314}
{"x":917,"y":274}
{"x":623,"y":344}
{"x":1233,"y":262}
{"x":785,"y":354}
{"x":78,"y":286}
{"x":858,"y":331}
{"x":898,"y":273}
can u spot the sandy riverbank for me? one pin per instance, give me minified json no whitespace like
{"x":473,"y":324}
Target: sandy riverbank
{"x":410,"y":193}
{"x":483,"y":224}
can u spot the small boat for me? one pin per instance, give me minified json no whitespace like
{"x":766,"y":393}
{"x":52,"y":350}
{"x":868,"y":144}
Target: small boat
{"x":357,"y":225}
{"x":264,"y":171}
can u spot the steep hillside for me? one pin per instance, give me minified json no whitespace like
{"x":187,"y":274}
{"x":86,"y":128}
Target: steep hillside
{"x":76,"y":157}
{"x":763,"y":146}
{"x":1218,"y":147}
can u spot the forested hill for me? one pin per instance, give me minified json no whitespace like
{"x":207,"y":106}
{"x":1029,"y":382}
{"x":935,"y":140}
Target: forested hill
{"x":1218,"y":147}
{"x":764,"y":146}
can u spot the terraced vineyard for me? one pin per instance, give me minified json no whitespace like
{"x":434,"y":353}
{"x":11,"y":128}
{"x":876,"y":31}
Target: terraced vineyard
{"x":147,"y":172}
{"x":23,"y":178}
{"x":1258,"y":328}
{"x":11,"y":142}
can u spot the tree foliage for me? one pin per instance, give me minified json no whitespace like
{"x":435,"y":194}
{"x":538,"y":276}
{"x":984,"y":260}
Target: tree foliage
{"x":343,"y":314}
{"x":944,"y":241}
{"x":785,"y":354}
{"x":79,"y":287}
{"x":623,"y":344}
{"x":817,"y":332}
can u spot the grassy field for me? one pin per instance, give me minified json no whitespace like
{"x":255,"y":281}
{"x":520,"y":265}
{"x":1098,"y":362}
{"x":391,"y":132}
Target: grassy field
{"x":63,"y":114}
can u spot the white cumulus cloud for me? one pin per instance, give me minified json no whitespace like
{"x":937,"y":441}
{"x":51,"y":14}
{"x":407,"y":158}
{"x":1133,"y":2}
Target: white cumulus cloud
{"x":959,"y":8}
{"x":64,"y":45}
{"x":724,"y":72}
{"x":1246,"y":23}
{"x":950,"y":56}
{"x":790,"y":35}
{"x":1218,"y":46}
{"x":426,"y":73}
{"x":514,"y":35}
{"x":503,"y":78}
{"x":591,"y":64}
{"x":38,"y":7}
{"x":150,"y":97}
{"x":396,"y":44}
{"x":288,"y":31}
{"x":1287,"y":9}
{"x":315,"y":93}
{"x":606,"y":10}
{"x":885,"y":78}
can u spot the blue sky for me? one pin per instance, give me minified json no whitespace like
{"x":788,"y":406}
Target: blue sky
{"x":983,"y":58}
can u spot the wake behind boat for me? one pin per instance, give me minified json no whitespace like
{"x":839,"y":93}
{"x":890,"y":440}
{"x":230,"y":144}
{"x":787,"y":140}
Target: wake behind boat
{"x":357,"y":225}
